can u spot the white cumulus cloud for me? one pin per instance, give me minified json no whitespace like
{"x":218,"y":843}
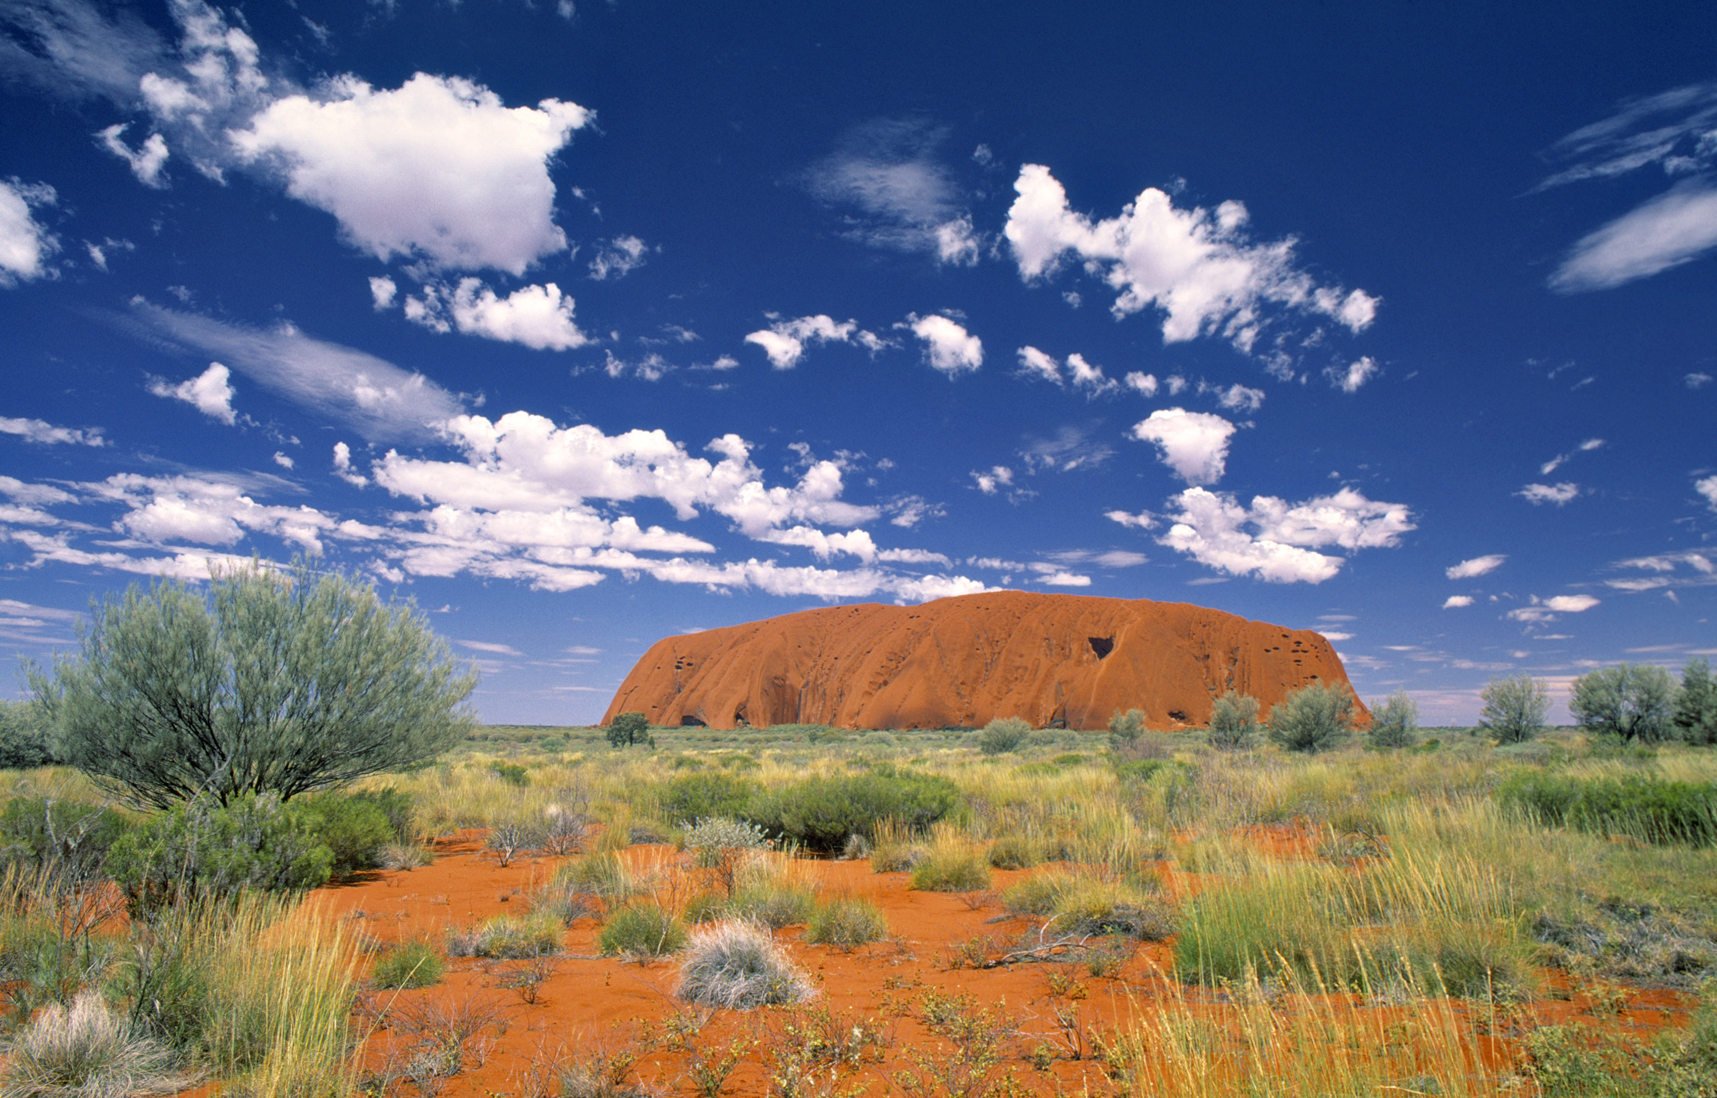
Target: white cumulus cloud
{"x":45,"y":433}
{"x":784,"y":341}
{"x":1457,"y":601}
{"x":146,"y":161}
{"x":438,"y":168}
{"x":539,"y":317}
{"x":1276,"y":540}
{"x":1477,"y":566}
{"x":209,"y":392}
{"x":1707,"y":487}
{"x":1350,"y":378}
{"x":1193,"y":444}
{"x":24,"y":244}
{"x":1199,"y":267}
{"x":948,"y":346}
{"x":618,"y":257}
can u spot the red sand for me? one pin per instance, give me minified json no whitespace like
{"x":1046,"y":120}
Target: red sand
{"x":960,"y":662}
{"x":592,"y":1004}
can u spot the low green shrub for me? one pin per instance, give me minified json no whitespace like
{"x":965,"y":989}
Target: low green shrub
{"x":846,"y":922}
{"x":399,"y":808}
{"x":200,"y":849}
{"x":706,"y":795}
{"x":1003,"y":734}
{"x":1016,"y":852}
{"x":820,"y":813}
{"x":1655,"y":811}
{"x":951,"y":868}
{"x":641,"y":930}
{"x":65,"y":836}
{"x":408,"y":965}
{"x":705,"y":907}
{"x":354,"y":829}
{"x":511,"y":773}
{"x":773,"y":901}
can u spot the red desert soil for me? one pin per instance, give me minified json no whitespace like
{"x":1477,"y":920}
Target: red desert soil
{"x":592,"y":1004}
{"x":961,"y":662}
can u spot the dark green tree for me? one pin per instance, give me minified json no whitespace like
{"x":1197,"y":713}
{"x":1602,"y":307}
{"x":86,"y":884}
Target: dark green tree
{"x":1629,"y":701}
{"x":627,"y":729}
{"x":264,"y":682}
{"x":1695,"y":716}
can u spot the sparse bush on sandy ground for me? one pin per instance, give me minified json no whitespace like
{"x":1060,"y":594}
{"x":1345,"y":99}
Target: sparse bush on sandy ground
{"x":512,"y":936}
{"x":847,"y":922}
{"x":737,"y":965}
{"x":951,"y":866}
{"x":409,"y":964}
{"x":642,"y":930}
{"x":1004,"y":734}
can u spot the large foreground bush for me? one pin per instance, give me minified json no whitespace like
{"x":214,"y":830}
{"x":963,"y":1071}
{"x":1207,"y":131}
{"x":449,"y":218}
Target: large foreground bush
{"x":200,"y":849}
{"x":265,"y":682}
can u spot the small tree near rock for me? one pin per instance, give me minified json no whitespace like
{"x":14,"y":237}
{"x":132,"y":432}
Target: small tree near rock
{"x":1126,"y":728}
{"x":1315,"y":717}
{"x":1233,"y":721}
{"x":1394,"y":722}
{"x":1003,"y":734}
{"x":627,"y":729}
{"x":1514,"y":707}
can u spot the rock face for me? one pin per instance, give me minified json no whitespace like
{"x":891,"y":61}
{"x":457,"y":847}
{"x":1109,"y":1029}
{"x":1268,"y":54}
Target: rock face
{"x":960,"y":662}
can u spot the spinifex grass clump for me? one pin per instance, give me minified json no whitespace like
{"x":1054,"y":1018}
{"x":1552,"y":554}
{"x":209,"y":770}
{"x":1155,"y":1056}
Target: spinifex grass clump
{"x":409,"y":964}
{"x":894,"y":848}
{"x":533,"y":935}
{"x":87,"y":1051}
{"x":642,"y":930}
{"x":846,"y":922}
{"x":737,"y":965}
{"x":951,"y":866}
{"x":1082,"y":903}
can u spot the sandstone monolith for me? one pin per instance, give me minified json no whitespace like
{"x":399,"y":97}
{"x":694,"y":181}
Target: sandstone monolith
{"x":1055,"y":660}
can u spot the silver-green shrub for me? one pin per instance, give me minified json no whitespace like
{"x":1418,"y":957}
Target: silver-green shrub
{"x":1003,"y":734}
{"x":1315,"y":717}
{"x":264,"y":682}
{"x":1514,"y":707}
{"x":1628,"y":701}
{"x":1233,"y":720}
{"x":1394,"y":721}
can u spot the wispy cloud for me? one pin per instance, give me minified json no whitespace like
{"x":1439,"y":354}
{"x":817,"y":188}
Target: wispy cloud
{"x":889,"y":173}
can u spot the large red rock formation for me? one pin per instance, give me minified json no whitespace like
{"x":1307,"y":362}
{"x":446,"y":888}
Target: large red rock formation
{"x":960,"y":662}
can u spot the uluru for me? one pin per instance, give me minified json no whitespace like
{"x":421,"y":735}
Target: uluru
{"x":1055,"y":660}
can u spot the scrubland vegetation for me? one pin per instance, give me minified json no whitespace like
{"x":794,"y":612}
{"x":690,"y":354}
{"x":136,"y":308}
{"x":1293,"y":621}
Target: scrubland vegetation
{"x":1279,"y":904}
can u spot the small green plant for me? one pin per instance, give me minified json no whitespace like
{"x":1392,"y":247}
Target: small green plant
{"x":737,"y":966}
{"x":354,"y":829}
{"x":1003,"y":734}
{"x":1233,"y":721}
{"x":627,"y":729}
{"x":951,"y":867}
{"x":1315,"y":717}
{"x":1126,"y":728}
{"x":641,"y":931}
{"x":1017,"y":852}
{"x":511,"y":773}
{"x":1394,"y":722}
{"x":847,"y":922}
{"x":509,"y":936}
{"x":1514,"y":708}
{"x":409,"y":964}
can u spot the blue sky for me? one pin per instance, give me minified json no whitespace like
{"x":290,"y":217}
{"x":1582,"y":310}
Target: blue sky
{"x":586,"y":324}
